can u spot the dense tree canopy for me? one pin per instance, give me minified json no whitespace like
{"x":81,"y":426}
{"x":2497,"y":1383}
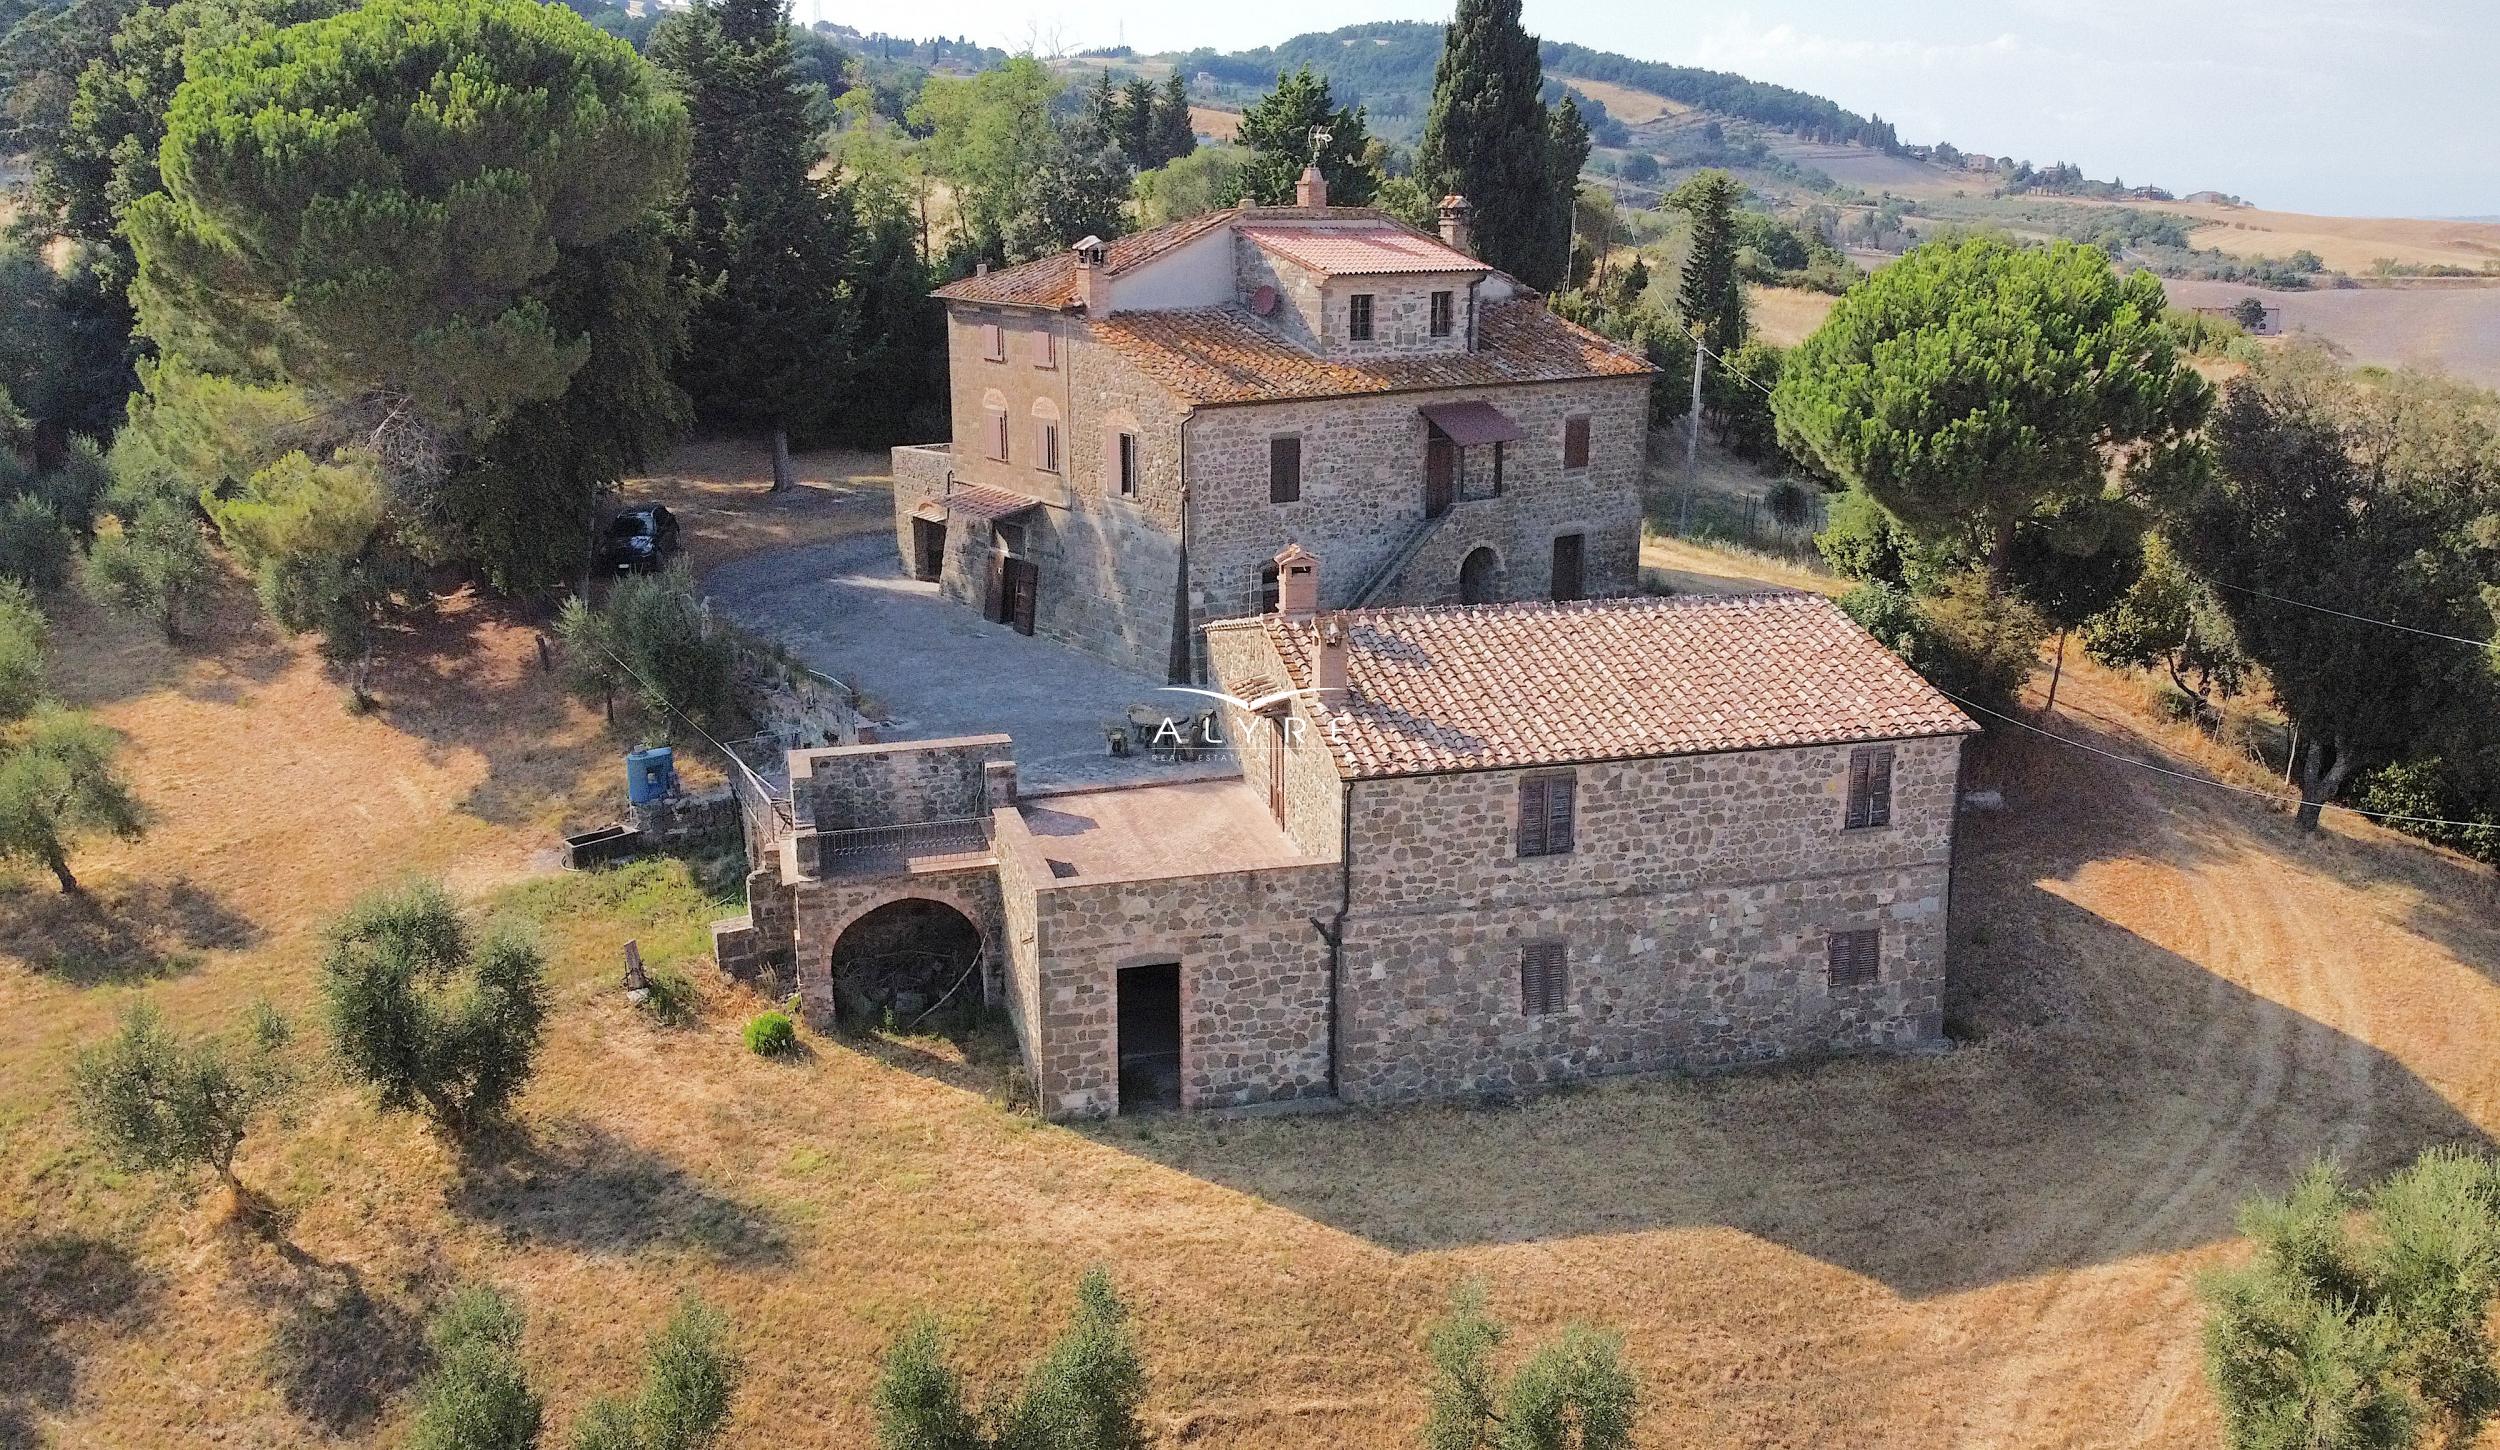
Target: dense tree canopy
{"x":1489,"y":138}
{"x":1280,"y":130}
{"x":1974,"y":385}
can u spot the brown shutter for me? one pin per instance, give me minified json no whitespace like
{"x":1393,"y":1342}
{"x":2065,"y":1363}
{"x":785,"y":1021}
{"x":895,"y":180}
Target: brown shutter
{"x":1560,"y":799}
{"x":1575,"y":443}
{"x":1879,"y":788}
{"x":1532,"y":816}
{"x":1544,"y":978}
{"x":1861,"y":788}
{"x":1855,"y":957}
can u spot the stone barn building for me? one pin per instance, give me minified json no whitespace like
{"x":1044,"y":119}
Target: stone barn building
{"x":1470,"y":848}
{"x":1140,"y":427}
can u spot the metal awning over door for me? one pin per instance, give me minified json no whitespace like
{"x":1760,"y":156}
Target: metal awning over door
{"x":1472,"y":424}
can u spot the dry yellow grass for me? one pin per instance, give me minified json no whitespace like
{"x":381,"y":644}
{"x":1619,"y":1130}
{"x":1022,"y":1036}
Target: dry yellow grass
{"x":1210,"y":121}
{"x":1787,"y":316}
{"x":2345,"y":244}
{"x":2172,"y":999}
{"x":1625,"y":103}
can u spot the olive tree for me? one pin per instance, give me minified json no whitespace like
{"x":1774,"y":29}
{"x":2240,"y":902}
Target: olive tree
{"x":1083,"y":1395}
{"x":690,"y":1374}
{"x":1573,"y":1394}
{"x":432,"y":1015}
{"x":59,"y":782}
{"x":477,"y":1397}
{"x":164,"y":1104}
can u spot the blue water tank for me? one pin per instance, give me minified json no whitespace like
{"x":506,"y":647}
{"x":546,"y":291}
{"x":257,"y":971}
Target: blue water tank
{"x":650,"y":775}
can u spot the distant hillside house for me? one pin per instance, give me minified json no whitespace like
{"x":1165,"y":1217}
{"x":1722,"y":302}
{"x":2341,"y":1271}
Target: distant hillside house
{"x":1140,"y":427}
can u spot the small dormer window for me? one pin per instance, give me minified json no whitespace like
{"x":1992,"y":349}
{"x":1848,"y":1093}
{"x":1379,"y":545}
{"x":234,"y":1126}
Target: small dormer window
{"x":1444,"y":310}
{"x":1358,"y":317}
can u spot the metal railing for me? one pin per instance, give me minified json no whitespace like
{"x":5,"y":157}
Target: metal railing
{"x":854,"y":847}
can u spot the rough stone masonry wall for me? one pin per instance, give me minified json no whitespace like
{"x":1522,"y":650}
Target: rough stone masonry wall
{"x":894,"y":784}
{"x":1254,"y":977}
{"x":823,"y":909}
{"x":1694,"y":909}
{"x":1238,"y":657}
{"x":1363,"y":495}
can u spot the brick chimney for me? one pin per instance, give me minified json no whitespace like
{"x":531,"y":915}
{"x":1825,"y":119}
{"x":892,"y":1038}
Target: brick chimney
{"x":1312,"y":189}
{"x":1093,"y":276}
{"x":1454,"y":226}
{"x":1297,"y":584}
{"x":1329,"y":676}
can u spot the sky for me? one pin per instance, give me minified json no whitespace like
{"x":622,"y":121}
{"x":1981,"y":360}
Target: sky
{"x":2343,"y":107}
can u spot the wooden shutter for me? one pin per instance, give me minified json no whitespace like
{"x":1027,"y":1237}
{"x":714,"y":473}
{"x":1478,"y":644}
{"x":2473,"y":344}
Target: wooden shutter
{"x":1570,"y":581}
{"x":1532,"y":817}
{"x":1879,"y":787}
{"x":1856,"y":957}
{"x":1284,"y":470}
{"x":1575,"y":443}
{"x":1560,"y":803}
{"x":1861,"y":774}
{"x":1544,"y":978}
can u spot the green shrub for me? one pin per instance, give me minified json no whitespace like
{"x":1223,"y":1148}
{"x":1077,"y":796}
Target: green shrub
{"x":153,"y":566}
{"x":35,"y":547}
{"x":477,"y":1397}
{"x":1966,"y":639}
{"x":159,"y":1103}
{"x":652,"y":641}
{"x":689,"y":1376}
{"x":1574,"y":1393}
{"x":1083,"y":1395}
{"x":75,"y":488}
{"x":771,"y":1033}
{"x":23,"y":635}
{"x":672,"y":1000}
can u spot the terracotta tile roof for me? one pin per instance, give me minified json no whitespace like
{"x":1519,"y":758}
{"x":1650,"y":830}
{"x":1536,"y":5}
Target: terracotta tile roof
{"x":992,"y":504}
{"x":1502,"y":686}
{"x":1051,"y":281}
{"x":1364,"y":250}
{"x":1224,"y":355}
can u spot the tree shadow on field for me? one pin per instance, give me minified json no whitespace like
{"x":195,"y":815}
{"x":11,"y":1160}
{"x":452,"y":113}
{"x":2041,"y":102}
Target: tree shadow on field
{"x":54,"y":1290}
{"x":2121,"y":1100}
{"x":118,"y":932}
{"x":338,"y":1352}
{"x":584,"y":1188}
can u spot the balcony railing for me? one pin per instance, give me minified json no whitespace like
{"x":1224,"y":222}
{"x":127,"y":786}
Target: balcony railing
{"x":858,"y":850}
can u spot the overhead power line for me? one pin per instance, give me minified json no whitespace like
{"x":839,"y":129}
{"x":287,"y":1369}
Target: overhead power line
{"x":2360,"y":618}
{"x":2271,"y":797}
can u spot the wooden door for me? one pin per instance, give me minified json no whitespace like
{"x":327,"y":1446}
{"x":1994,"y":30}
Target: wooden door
{"x":1440,"y":473}
{"x":994,"y":600}
{"x":1569,"y":567}
{"x":1276,"y":767}
{"x":928,"y":541}
{"x":1024,"y":583}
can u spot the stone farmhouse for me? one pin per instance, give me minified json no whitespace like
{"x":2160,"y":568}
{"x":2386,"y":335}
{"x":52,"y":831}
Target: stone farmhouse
{"x":1469,"y":848}
{"x":1139,"y":428}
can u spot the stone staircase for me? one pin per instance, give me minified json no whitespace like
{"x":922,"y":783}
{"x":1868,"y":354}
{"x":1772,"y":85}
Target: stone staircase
{"x":1387,"y":574}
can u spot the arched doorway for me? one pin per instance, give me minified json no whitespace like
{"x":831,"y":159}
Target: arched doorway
{"x":904,"y":961}
{"x":1478,"y":581}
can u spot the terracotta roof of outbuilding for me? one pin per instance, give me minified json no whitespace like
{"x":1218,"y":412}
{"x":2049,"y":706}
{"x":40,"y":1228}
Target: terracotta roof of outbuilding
{"x":1507,"y":686}
{"x":988,"y":503}
{"x":1051,"y":281}
{"x":1360,"y":251}
{"x":1224,"y":355}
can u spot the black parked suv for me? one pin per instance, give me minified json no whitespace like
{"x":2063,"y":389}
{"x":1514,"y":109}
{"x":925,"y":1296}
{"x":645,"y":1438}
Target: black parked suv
{"x":640,"y":541}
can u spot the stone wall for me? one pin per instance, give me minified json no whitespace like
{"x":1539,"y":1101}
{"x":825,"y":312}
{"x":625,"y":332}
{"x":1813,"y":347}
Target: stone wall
{"x":1363,"y":495}
{"x":1254,"y":979}
{"x":1694,"y":907}
{"x":823,"y":909}
{"x":1239,"y":659}
{"x":900,"y":783}
{"x":921,"y":476}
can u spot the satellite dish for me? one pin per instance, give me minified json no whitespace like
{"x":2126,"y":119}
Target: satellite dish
{"x":1263,"y":301}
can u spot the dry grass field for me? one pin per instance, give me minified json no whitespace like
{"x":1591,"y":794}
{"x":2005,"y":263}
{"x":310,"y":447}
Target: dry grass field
{"x":1786,"y":316}
{"x":2165,"y":998}
{"x":1631,"y":106}
{"x":2345,"y":244}
{"x":1211,"y":121}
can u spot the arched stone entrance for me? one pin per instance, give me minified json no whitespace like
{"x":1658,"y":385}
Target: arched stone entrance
{"x":1480,"y":577}
{"x":905,"y":960}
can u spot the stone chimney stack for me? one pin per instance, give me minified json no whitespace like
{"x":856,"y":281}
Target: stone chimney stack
{"x":1297,"y":584}
{"x":1329,"y":677}
{"x":1455,"y":229}
{"x":1312,"y":189}
{"x":1093,"y":276}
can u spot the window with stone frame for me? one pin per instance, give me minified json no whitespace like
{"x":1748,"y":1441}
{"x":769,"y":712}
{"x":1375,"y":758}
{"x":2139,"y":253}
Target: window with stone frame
{"x":1358,"y":317}
{"x":1870,"y":788}
{"x":1125,"y":462}
{"x":1544,"y":978}
{"x":1576,"y":441}
{"x":1284,"y":468}
{"x":1548,"y":808}
{"x":1444,"y":313}
{"x":993,"y":342}
{"x":998,"y":434}
{"x":1855,"y":958}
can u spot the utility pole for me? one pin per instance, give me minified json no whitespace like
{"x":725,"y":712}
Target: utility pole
{"x":1692,"y":442}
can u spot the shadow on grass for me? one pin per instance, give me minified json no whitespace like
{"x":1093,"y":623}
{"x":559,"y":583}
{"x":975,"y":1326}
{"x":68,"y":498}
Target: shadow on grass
{"x":584,"y":1188}
{"x":56,"y":1289}
{"x":972,"y":1052}
{"x":338,"y":1352}
{"x":118,"y":932}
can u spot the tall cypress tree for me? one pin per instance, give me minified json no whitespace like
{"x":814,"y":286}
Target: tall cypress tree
{"x":763,"y":248}
{"x":1712,"y":297}
{"x":1137,"y":123}
{"x":1567,"y":150}
{"x":1175,"y":137}
{"x":1488,"y":138}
